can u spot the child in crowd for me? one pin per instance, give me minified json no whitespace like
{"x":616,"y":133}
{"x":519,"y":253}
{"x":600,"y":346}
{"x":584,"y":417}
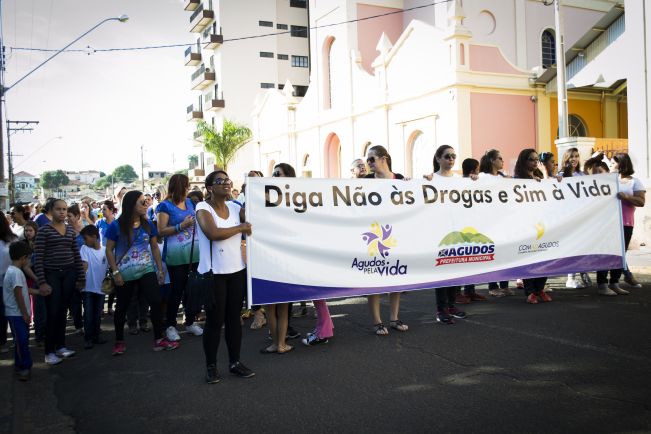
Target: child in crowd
{"x":18,"y":308}
{"x":95,"y":265}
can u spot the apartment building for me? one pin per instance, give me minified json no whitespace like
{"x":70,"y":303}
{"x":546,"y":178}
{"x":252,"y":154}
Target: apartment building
{"x":233,"y":60}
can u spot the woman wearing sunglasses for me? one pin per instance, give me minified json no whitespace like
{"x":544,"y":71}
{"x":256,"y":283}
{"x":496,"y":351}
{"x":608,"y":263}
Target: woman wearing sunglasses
{"x":446,"y":311}
{"x":131,"y":250}
{"x":526,"y":167}
{"x":379,"y":163}
{"x":220,"y":225}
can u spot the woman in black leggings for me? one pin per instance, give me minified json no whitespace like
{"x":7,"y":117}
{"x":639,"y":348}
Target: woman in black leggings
{"x":220,"y":228}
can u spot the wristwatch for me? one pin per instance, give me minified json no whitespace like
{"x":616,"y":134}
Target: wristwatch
{"x":116,"y":272}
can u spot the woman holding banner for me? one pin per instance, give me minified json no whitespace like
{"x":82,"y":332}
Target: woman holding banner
{"x":526,"y":167}
{"x":446,"y":311}
{"x":632,"y":194}
{"x":379,"y":162}
{"x":491,"y":165}
{"x":220,"y":228}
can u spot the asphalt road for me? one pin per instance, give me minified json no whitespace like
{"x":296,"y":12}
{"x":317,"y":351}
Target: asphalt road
{"x":581,"y":364}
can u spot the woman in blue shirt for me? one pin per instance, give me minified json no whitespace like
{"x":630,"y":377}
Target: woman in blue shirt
{"x":175,"y":220}
{"x":133,"y":255}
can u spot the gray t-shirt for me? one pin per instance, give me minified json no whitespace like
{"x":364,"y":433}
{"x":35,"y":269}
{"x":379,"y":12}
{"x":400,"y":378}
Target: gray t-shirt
{"x":14,"y":277}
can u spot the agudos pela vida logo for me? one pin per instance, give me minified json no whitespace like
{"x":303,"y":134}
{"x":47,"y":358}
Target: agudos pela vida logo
{"x":379,"y":242}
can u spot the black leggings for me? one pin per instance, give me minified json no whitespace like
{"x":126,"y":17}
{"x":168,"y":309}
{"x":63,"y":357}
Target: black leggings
{"x":615,"y":274}
{"x":445,"y":297}
{"x":178,"y":282}
{"x":535,"y":285}
{"x":148,"y":285}
{"x":229,"y":292}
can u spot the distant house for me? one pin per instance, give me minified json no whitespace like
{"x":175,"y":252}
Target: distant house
{"x":25,"y":186}
{"x":85,"y":177}
{"x":157,"y":174}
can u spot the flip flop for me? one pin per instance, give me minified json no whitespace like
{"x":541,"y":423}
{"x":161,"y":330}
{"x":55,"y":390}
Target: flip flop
{"x":290,"y":349}
{"x":268,"y":351}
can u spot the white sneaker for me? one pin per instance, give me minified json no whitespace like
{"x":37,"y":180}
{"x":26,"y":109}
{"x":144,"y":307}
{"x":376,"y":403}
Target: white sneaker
{"x":52,"y":359}
{"x":618,"y":289}
{"x":65,"y":353}
{"x":194,"y":329}
{"x":603,"y":289}
{"x":172,"y":334}
{"x":573,"y":283}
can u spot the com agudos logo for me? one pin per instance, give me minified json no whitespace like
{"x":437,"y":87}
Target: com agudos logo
{"x":538,"y":245}
{"x":379,"y":241}
{"x":464,"y":246}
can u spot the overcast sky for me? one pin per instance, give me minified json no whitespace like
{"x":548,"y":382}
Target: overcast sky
{"x":104,"y":105}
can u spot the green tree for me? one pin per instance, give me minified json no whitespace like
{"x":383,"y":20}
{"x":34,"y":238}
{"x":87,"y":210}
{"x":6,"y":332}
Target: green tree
{"x":193,"y":161}
{"x":102,"y":174}
{"x":224,"y":144}
{"x":103,"y":182}
{"x":125,"y":173}
{"x":52,"y":179}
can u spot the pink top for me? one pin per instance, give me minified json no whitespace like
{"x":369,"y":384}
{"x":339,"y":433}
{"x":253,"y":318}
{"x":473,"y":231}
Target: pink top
{"x":629,"y":186}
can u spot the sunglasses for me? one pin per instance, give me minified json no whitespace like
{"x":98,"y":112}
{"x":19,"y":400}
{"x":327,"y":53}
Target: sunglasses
{"x":372,"y":160}
{"x":276,"y":175}
{"x":450,"y":156}
{"x":532,"y":159}
{"x":221,"y":181}
{"x":143,"y":202}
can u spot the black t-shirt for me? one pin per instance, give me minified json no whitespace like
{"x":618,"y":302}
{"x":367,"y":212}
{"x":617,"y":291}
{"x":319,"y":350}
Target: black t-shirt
{"x":395,"y":176}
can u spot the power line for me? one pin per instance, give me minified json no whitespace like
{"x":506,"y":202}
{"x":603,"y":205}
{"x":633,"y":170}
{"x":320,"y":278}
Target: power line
{"x":89,"y":50}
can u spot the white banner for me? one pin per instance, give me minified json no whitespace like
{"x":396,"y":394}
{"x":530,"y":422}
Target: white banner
{"x":326,"y":238}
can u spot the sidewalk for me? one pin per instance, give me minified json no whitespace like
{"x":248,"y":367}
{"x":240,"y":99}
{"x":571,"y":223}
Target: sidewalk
{"x":639,"y":261}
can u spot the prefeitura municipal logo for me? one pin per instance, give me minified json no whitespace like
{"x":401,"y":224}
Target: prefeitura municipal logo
{"x":379,"y":241}
{"x":464,"y":246}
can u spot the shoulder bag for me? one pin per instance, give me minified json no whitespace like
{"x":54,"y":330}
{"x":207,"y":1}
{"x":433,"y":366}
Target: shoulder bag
{"x":108,"y":284}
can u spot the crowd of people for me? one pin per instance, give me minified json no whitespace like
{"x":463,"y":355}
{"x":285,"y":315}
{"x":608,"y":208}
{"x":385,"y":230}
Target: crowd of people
{"x":139,"y":252}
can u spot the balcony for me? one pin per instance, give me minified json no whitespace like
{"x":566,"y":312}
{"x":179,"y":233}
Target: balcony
{"x":215,"y":104}
{"x":200,"y":19}
{"x":201,"y":78}
{"x":212,"y":41}
{"x":197,"y":136}
{"x":192,"y":58}
{"x":190,"y":5}
{"x":194,"y":113}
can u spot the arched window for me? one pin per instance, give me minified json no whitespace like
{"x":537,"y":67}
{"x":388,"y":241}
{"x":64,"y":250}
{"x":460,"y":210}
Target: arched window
{"x":548,"y":48}
{"x":576,"y":127}
{"x":422,"y":153}
{"x":327,"y":82}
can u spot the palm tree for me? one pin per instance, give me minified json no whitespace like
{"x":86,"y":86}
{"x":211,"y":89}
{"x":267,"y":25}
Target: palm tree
{"x":224,"y":144}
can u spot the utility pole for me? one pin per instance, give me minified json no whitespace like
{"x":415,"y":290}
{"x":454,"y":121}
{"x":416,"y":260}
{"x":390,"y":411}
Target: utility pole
{"x":561,"y":87}
{"x":20,"y":126}
{"x":142,"y":167}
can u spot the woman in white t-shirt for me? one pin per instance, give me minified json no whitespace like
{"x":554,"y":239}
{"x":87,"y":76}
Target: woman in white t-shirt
{"x":444,"y":159}
{"x":632,"y":194}
{"x":491,"y":165}
{"x":571,"y":166}
{"x":220,"y":228}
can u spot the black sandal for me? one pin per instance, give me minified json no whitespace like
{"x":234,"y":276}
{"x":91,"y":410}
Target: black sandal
{"x":398,"y":325}
{"x":379,"y":327}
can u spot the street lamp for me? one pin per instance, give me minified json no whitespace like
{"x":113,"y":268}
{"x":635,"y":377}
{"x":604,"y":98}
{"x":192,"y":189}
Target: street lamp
{"x":121,"y":18}
{"x":4,"y":90}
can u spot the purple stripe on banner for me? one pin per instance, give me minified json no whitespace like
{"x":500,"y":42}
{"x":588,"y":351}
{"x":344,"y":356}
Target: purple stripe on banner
{"x":270,"y":292}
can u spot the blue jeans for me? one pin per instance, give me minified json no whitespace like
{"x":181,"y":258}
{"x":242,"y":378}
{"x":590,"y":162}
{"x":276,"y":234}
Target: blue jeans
{"x":3,"y":321}
{"x":93,"y":305}
{"x":20,"y":331}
